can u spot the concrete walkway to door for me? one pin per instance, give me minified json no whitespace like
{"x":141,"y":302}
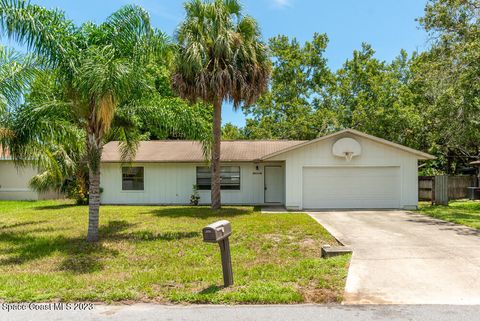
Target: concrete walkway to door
{"x":402,"y":257}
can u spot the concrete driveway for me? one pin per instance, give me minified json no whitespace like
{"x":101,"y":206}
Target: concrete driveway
{"x":402,"y":257}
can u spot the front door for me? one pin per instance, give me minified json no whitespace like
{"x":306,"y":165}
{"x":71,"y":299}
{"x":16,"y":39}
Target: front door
{"x":273,"y":184}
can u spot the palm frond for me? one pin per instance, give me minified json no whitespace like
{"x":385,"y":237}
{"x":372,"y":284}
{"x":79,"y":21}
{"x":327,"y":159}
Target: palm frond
{"x":161,"y":117}
{"x":104,"y":80}
{"x":16,"y":72}
{"x":220,"y":55}
{"x":57,"y":166}
{"x":125,"y":128}
{"x":36,"y":126}
{"x":130,"y":21}
{"x":47,"y":32}
{"x":173,"y":117}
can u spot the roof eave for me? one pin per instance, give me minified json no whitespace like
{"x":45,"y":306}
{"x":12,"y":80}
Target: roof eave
{"x":179,"y":161}
{"x":420,"y":155}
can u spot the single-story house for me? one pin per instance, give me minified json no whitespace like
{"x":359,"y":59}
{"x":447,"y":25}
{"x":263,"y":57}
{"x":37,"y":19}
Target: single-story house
{"x":347,"y":169}
{"x":14,"y":181}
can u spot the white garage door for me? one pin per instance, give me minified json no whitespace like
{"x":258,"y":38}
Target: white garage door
{"x":351,"y":187}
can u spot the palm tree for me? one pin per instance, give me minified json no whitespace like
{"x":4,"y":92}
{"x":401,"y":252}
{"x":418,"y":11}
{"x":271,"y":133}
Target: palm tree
{"x":46,"y":131}
{"x":100,"y":67}
{"x":220,"y":57}
{"x":46,"y":135}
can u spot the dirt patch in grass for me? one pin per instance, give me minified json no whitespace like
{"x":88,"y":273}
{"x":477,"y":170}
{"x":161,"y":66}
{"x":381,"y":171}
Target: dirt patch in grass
{"x":308,"y":243}
{"x":321,"y":296}
{"x":272,"y":237}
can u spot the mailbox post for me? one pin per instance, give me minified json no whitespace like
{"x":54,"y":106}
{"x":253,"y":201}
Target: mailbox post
{"x":219,"y":232}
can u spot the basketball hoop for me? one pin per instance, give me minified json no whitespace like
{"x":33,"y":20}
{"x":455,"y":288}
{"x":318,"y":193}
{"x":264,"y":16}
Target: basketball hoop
{"x":348,"y":156}
{"x":346,"y":148}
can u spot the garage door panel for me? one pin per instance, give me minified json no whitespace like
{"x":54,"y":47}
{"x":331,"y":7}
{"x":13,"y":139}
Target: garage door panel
{"x":351,"y":187}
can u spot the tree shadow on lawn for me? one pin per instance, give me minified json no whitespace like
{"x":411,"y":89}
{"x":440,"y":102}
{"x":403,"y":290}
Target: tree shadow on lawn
{"x":449,"y":226}
{"x":115,"y":228}
{"x":19,"y":224}
{"x":200,"y":212}
{"x":81,"y":256}
{"x":212,"y":289}
{"x":55,"y":207}
{"x":152,"y":236}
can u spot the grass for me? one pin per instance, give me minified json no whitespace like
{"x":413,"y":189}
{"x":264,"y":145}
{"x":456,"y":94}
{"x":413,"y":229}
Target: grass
{"x":460,"y":212}
{"x":156,"y":254}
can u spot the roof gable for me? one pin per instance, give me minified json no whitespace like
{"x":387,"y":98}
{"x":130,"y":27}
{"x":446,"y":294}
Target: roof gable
{"x":420,"y":155}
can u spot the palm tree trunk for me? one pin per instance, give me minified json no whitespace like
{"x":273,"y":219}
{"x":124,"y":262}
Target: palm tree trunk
{"x":93,"y":205}
{"x":217,"y":136}
{"x":94,"y":156}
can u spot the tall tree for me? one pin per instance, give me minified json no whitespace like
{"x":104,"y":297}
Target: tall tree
{"x":374,"y":96}
{"x":307,"y":100}
{"x":232,"y":132}
{"x":296,"y":106}
{"x":447,"y":80}
{"x":220,"y":57}
{"x":100,"y":68}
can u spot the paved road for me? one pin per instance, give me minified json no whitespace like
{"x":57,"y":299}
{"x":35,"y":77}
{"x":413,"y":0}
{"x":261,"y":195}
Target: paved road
{"x":401,"y":257}
{"x":141,"y":312}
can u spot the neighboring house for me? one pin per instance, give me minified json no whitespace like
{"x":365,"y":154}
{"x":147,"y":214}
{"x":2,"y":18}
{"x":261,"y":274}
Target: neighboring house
{"x":347,"y":169}
{"x":14,"y":181}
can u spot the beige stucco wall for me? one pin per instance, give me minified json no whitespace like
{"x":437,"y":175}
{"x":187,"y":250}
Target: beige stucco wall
{"x":172,"y":184}
{"x":373,"y":154}
{"x":14,"y":182}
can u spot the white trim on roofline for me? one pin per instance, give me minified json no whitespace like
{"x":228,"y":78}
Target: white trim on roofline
{"x":419,"y":154}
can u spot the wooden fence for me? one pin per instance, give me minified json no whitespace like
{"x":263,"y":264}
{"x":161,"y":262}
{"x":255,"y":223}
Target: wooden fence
{"x":455,"y":187}
{"x":425,"y":188}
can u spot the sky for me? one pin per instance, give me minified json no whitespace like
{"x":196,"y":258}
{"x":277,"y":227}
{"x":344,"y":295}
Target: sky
{"x":388,"y":25}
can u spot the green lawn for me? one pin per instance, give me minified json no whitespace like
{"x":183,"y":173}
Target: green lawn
{"x":460,"y":212}
{"x":152,"y":253}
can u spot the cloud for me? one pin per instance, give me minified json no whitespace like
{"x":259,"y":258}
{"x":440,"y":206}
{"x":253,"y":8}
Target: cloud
{"x":281,"y":3}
